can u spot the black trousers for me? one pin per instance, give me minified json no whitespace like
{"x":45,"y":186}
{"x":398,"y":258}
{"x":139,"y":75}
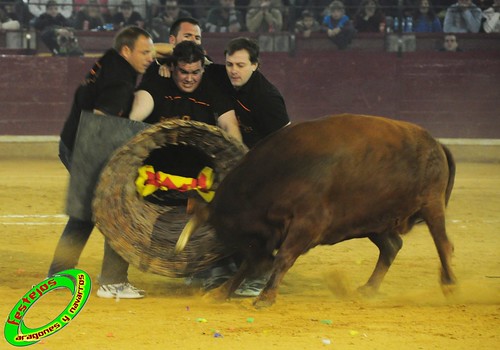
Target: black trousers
{"x":75,"y":236}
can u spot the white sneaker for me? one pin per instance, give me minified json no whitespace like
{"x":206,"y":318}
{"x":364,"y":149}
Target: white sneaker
{"x":120,"y":291}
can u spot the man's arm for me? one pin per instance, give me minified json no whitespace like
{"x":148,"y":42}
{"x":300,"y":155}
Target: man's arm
{"x":229,"y":124}
{"x":254,"y":18}
{"x":449,"y":20}
{"x":272,"y":106}
{"x":143,"y":105}
{"x":472,"y":17}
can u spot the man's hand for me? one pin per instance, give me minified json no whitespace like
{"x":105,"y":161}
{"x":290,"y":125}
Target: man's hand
{"x":164,"y":71}
{"x":333,"y":32}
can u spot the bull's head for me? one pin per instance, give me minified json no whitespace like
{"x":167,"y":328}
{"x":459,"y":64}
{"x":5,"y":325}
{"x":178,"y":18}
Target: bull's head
{"x":199,"y":216}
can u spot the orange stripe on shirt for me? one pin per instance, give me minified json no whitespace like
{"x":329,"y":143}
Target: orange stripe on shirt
{"x":244,"y":107}
{"x":199,"y":102}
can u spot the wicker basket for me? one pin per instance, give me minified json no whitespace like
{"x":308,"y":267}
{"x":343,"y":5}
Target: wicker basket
{"x":143,"y":232}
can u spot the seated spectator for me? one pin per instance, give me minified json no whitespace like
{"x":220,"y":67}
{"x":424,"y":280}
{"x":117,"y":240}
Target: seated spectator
{"x":62,"y":41}
{"x":140,"y":6}
{"x":172,"y":12}
{"x":8,"y":19}
{"x":369,"y":17}
{"x":89,"y":17}
{"x":264,"y":18}
{"x":225,"y":18}
{"x":38,"y":7}
{"x":491,"y":15}
{"x":425,"y":19}
{"x":462,"y":17}
{"x":168,"y":14}
{"x":393,"y":8}
{"x":440,"y":6}
{"x":103,"y":6}
{"x":307,"y":24}
{"x":338,"y":26}
{"x":200,"y":8}
{"x":51,"y":18}
{"x":450,"y":44}
{"x":484,"y":4}
{"x":320,"y":8}
{"x":127,"y":16}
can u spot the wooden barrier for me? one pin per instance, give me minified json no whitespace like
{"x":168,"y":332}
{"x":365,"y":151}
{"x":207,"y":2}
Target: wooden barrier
{"x":451,"y":94}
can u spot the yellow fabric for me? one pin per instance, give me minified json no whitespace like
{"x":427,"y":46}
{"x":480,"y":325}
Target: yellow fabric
{"x":150,"y":181}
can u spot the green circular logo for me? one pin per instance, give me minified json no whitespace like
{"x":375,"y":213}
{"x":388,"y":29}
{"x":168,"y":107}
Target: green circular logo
{"x":77,"y":281}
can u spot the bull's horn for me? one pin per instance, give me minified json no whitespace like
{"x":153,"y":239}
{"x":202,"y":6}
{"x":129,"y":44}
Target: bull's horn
{"x":186,"y":233}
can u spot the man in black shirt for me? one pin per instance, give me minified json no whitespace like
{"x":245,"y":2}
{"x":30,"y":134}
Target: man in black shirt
{"x":260,"y":110}
{"x":107,"y":89}
{"x":186,"y":95}
{"x":259,"y":106}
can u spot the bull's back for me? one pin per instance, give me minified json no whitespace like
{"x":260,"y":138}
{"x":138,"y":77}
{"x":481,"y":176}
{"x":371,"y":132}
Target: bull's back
{"x":346,"y":162}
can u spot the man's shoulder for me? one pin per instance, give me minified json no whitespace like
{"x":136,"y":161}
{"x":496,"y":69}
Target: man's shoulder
{"x":159,"y":85}
{"x":262,"y":86}
{"x":113,"y":59}
{"x":209,"y":88}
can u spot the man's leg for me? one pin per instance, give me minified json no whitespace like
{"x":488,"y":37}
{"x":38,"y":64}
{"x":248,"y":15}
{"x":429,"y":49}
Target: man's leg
{"x":70,"y":245}
{"x":114,"y":277}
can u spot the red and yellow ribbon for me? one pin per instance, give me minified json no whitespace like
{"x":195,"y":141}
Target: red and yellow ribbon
{"x":149,"y":181}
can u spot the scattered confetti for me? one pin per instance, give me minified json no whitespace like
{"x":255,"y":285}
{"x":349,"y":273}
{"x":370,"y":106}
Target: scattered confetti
{"x":326,"y":341}
{"x":353,"y":333}
{"x":326,"y":321}
{"x":218,"y":335}
{"x":201,"y":320}
{"x":250,"y":319}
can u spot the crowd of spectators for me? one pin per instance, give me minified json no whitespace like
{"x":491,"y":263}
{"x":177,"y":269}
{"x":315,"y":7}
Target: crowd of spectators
{"x":455,"y":16}
{"x":302,"y":17}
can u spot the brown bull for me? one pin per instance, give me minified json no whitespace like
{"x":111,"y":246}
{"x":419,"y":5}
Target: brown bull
{"x":326,"y":181}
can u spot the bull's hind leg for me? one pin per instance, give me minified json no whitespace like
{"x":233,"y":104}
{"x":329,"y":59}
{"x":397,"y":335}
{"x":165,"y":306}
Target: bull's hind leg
{"x":389,"y":245}
{"x":435,"y":219}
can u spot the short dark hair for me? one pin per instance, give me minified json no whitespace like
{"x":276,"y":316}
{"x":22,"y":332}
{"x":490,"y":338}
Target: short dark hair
{"x":126,"y":4}
{"x":174,"y":28}
{"x":188,"y":52}
{"x":128,"y":36}
{"x":243,"y":43}
{"x":51,"y":3}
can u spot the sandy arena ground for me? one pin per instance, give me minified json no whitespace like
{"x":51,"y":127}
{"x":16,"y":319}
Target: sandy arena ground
{"x":317,"y":306}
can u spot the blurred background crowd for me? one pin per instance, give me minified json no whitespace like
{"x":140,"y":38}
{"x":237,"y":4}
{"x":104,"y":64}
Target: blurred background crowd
{"x":56,"y":21}
{"x":300,"y":16}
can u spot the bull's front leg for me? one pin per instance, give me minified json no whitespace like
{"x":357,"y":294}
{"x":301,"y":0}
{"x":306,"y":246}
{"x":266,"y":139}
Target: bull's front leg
{"x":282,"y":262}
{"x":389,"y":245}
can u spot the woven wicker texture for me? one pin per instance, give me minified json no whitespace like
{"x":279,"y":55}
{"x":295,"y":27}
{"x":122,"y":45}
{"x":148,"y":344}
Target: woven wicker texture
{"x":144,"y":233}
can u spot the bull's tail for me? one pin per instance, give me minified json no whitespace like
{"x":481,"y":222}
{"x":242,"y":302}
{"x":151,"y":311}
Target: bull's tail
{"x":451,"y":172}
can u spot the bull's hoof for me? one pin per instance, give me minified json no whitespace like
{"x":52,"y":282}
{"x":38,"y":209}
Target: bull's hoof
{"x":449,"y":290}
{"x":368,"y":291}
{"x":217,"y":294}
{"x":260,"y":303}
